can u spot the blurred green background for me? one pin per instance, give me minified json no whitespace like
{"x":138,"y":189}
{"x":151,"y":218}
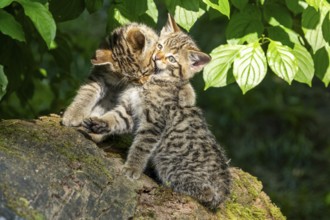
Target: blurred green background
{"x":276,"y":132}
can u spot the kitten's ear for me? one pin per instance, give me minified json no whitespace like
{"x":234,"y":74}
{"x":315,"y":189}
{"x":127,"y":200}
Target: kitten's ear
{"x":102,"y":57}
{"x":170,"y":26}
{"x":136,"y":39}
{"x":198,"y":60}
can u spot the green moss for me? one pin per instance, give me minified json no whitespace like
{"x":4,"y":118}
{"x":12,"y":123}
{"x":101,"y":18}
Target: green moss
{"x":237,"y":211}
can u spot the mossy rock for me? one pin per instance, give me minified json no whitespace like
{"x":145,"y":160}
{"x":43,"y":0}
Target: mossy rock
{"x":48,"y":171}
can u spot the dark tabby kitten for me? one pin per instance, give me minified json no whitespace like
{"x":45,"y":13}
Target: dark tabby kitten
{"x":170,"y":129}
{"x":123,"y":58}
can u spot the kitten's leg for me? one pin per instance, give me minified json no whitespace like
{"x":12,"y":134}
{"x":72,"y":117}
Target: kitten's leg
{"x":116,"y":121}
{"x":87,"y":96}
{"x":144,"y":143}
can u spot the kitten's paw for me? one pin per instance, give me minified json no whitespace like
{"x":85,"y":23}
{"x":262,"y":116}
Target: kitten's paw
{"x":96,"y":125}
{"x":72,"y":121}
{"x":132,"y":173}
{"x":207,"y":193}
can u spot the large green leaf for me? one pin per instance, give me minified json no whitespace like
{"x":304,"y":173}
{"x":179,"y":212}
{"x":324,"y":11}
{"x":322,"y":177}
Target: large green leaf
{"x":277,"y":14}
{"x":185,"y":13}
{"x":135,"y":8}
{"x":240,"y":4}
{"x":294,"y":6}
{"x":64,"y":10}
{"x":4,"y":3}
{"x":305,"y":65}
{"x":322,"y":64}
{"x":216,"y":72}
{"x":285,"y":35}
{"x":222,"y":6}
{"x":116,"y":18}
{"x":245,"y":23}
{"x":41,"y":18}
{"x":250,"y":67}
{"x":93,"y":5}
{"x":10,"y":27}
{"x":326,"y":28}
{"x":312,"y":27}
{"x":152,"y":11}
{"x":3,"y":82}
{"x":282,"y":61}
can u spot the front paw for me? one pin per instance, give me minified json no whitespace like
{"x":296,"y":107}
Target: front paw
{"x":131,"y":172}
{"x":96,"y":125}
{"x":70,"y":121}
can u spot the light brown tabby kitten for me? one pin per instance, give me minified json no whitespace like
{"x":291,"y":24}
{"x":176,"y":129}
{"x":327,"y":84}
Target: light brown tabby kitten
{"x":123,"y":59}
{"x":170,"y":130}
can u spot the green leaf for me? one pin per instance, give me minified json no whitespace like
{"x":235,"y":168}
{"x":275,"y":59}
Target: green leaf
{"x":4,"y":3}
{"x":322,"y":64}
{"x":250,"y":67}
{"x":276,"y":14}
{"x":240,"y":4}
{"x":285,"y":35}
{"x":305,"y":65}
{"x":216,"y":72}
{"x":326,"y":28}
{"x":93,"y":5}
{"x":185,"y":13}
{"x":312,"y":27}
{"x":282,"y":61}
{"x":116,"y":18}
{"x":314,"y":3}
{"x":135,"y":8}
{"x":10,"y":27}
{"x":41,"y":18}
{"x":64,"y":10}
{"x":245,"y":23}
{"x":152,"y":11}
{"x":3,"y":82}
{"x":222,"y":6}
{"x":294,"y":6}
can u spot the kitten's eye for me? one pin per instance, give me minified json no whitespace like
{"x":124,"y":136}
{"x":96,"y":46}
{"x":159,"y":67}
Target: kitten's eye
{"x":171,"y":59}
{"x":159,"y":46}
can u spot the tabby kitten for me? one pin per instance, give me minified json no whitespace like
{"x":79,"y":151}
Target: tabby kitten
{"x":171,"y":131}
{"x":122,"y":59}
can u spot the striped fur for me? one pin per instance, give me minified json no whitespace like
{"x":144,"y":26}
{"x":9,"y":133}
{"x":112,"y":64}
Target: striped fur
{"x":124,"y":58}
{"x":169,"y":129}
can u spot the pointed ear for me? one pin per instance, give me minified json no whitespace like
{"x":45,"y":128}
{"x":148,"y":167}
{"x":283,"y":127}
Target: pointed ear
{"x":170,"y":26}
{"x":198,"y":60}
{"x":102,"y":57}
{"x":136,"y":39}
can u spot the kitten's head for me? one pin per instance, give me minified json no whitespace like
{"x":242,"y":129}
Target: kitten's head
{"x":128,"y":51}
{"x":177,"y":55}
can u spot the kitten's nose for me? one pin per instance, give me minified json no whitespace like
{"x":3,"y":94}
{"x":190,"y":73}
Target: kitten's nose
{"x":159,"y":56}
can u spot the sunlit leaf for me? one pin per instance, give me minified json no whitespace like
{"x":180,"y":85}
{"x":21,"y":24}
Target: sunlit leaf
{"x":10,"y":27}
{"x":41,"y":18}
{"x":250,"y":67}
{"x":216,"y":72}
{"x":314,"y":3}
{"x":3,"y":82}
{"x":305,"y":65}
{"x":222,"y":6}
{"x":282,"y":61}
{"x":312,"y":27}
{"x":185,"y":13}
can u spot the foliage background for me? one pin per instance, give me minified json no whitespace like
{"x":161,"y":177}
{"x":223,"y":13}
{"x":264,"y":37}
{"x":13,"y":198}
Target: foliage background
{"x":276,"y":131}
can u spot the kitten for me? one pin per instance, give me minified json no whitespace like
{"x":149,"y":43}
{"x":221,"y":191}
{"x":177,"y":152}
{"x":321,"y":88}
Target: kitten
{"x":171,"y":131}
{"x":113,"y":71}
